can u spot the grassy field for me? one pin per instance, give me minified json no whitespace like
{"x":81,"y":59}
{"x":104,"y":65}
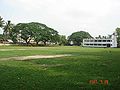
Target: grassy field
{"x":73,"y":72}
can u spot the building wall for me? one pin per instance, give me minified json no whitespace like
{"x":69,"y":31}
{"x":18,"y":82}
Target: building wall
{"x":98,"y":42}
{"x":111,"y":42}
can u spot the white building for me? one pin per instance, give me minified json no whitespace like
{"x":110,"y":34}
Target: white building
{"x":109,"y":42}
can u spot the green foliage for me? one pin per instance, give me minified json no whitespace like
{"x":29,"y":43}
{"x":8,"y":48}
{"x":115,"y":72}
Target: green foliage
{"x":13,"y":36}
{"x":63,"y":40}
{"x":54,"y":36}
{"x":1,"y":37}
{"x":8,"y":28}
{"x":36,"y":31}
{"x":24,"y":31}
{"x":1,"y":22}
{"x":77,"y":37}
{"x":118,"y":34}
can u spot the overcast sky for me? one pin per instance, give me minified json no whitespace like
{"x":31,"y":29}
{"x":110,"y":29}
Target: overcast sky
{"x":98,"y":17}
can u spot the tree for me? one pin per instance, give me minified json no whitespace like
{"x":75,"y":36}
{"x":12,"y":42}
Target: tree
{"x":25,"y":32}
{"x":37,"y":32}
{"x":118,"y":36}
{"x":109,"y":36}
{"x":1,"y":22}
{"x":63,"y":40}
{"x":43,"y":33}
{"x":1,"y":38}
{"x":13,"y":34}
{"x":53,"y":35}
{"x":1,"y":26}
{"x":7,"y":30}
{"x":77,"y":37}
{"x":37,"y":37}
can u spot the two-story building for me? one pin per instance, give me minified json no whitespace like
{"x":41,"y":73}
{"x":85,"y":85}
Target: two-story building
{"x":101,"y":42}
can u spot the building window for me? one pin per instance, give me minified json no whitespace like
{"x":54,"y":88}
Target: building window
{"x":99,"y":40}
{"x":104,"y":44}
{"x":99,"y":44}
{"x":91,"y":40}
{"x":108,"y":40}
{"x":95,"y":40}
{"x":104,"y":40}
{"x":87,"y":40}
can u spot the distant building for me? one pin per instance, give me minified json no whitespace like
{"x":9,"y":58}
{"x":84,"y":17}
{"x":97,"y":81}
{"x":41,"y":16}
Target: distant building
{"x":103,"y":42}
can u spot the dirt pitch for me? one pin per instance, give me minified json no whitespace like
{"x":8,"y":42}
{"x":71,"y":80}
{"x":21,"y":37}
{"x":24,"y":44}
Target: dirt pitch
{"x":34,"y":57}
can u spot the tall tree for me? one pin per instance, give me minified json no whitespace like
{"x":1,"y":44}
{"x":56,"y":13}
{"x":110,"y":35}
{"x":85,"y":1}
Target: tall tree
{"x":25,"y":32}
{"x":63,"y":40}
{"x":37,"y":32}
{"x":43,"y":33}
{"x":118,"y":36}
{"x":1,"y":38}
{"x":77,"y":37}
{"x":54,"y":36}
{"x":7,"y":30}
{"x":1,"y":22}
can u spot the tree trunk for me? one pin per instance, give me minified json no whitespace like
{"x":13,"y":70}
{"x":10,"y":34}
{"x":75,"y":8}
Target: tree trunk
{"x":44,"y":43}
{"x":26,"y":42}
{"x":37,"y":43}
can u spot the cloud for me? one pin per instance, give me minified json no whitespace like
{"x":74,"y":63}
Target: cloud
{"x":66,"y":16}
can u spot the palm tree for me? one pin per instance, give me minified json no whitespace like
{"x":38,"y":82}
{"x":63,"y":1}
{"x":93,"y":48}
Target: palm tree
{"x":1,"y":22}
{"x":7,"y":30}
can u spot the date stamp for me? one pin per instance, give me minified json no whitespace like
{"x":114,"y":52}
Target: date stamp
{"x":94,"y":82}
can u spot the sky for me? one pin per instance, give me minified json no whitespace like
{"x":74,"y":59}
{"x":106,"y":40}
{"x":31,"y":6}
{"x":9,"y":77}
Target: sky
{"x":98,"y":17}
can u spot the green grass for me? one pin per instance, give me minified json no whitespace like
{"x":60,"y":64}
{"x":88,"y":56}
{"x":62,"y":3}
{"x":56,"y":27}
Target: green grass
{"x":65,"y":73}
